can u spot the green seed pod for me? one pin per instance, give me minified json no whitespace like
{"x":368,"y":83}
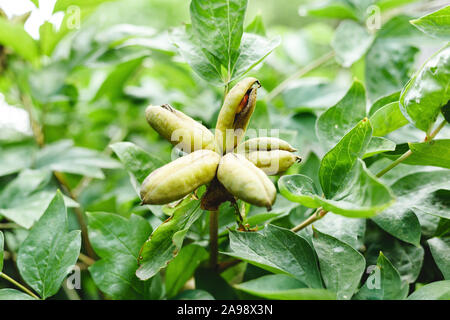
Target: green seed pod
{"x":244,"y":180}
{"x":180,"y":177}
{"x":179,"y":129}
{"x":235,"y":114}
{"x":265,"y":144}
{"x":272,"y":162}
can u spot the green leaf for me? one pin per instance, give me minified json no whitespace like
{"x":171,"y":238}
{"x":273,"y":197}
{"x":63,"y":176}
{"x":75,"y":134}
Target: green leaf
{"x":63,"y":156}
{"x":439,"y":290}
{"x":379,"y":145}
{"x":25,"y":198}
{"x":277,"y":250}
{"x":434,"y":153}
{"x":15,"y":158}
{"x":62,"y":5}
{"x":165,"y":242}
{"x":436,"y":204}
{"x":194,"y":295}
{"x":387,"y":66}
{"x":212,"y":282}
{"x":299,"y":188}
{"x":350,"y":42}
{"x":182,"y":268}
{"x":137,"y":161}
{"x":341,"y":266}
{"x":334,"y":123}
{"x":13,"y":294}
{"x":436,"y":24}
{"x":427,"y":92}
{"x":440,"y":249}
{"x":49,"y":251}
{"x":329,"y":9}
{"x":256,"y":26}
{"x":2,"y":241}
{"x":337,"y":165}
{"x":117,"y":242}
{"x":219,"y":27}
{"x":204,"y":64}
{"x":254,"y":49}
{"x":283,"y":287}
{"x":384,"y":283}
{"x":381,"y":102}
{"x":387,"y":119}
{"x":410,"y":191}
{"x":15,"y":37}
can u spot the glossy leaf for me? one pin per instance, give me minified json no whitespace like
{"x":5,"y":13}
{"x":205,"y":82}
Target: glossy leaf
{"x":165,"y":242}
{"x":50,"y":250}
{"x":334,"y":123}
{"x":440,"y":249}
{"x":427,"y":92}
{"x":341,"y":266}
{"x":379,"y":145}
{"x":299,"y":188}
{"x":387,"y":119}
{"x":384,"y":283}
{"x":381,"y":102}
{"x":13,"y":294}
{"x":436,"y":24}
{"x":182,"y":268}
{"x":350,"y":42}
{"x":434,"y":153}
{"x":439,"y":290}
{"x":410,"y":191}
{"x":117,"y":242}
{"x":283,"y":287}
{"x":277,"y":250}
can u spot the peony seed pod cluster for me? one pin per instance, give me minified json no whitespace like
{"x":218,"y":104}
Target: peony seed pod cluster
{"x":232,"y":169}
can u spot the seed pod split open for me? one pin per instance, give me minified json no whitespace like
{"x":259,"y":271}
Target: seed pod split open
{"x":180,"y":177}
{"x":245,"y":181}
{"x":235,"y":114}
{"x":179,"y":129}
{"x":272,"y":162}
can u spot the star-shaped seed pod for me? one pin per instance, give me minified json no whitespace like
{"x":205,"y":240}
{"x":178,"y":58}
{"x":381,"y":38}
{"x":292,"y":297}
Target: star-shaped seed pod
{"x":232,"y":170}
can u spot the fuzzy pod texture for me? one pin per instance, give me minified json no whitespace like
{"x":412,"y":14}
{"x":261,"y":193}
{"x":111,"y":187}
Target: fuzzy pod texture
{"x":265,"y":143}
{"x":235,"y":114}
{"x":272,"y":162}
{"x":179,"y":177}
{"x":179,"y":129}
{"x":247,"y":182}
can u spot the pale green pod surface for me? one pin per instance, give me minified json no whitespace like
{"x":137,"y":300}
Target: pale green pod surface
{"x":235,"y":114}
{"x":272,"y":162}
{"x":244,"y":180}
{"x":180,"y":177}
{"x":265,"y":143}
{"x":182,"y":131}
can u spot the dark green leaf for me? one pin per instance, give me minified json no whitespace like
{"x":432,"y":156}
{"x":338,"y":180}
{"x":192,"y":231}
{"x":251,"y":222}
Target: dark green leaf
{"x":384,"y":283}
{"x":427,"y":92}
{"x":212,"y":282}
{"x":350,"y":42}
{"x":194,"y":295}
{"x":341,"y":266}
{"x":283,"y":287}
{"x":334,"y":123}
{"x":436,"y":24}
{"x":182,"y":268}
{"x":410,"y":191}
{"x":117,"y":242}
{"x":277,"y":250}
{"x":49,"y":251}
{"x":439,"y":290}
{"x":165,"y":242}
{"x":440,"y":249}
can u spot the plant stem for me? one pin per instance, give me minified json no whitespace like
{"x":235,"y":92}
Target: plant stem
{"x":300,"y":73}
{"x":314,"y":217}
{"x":9,"y":225}
{"x":213,"y":238}
{"x":14,"y":282}
{"x":408,"y":153}
{"x":86,"y":260}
